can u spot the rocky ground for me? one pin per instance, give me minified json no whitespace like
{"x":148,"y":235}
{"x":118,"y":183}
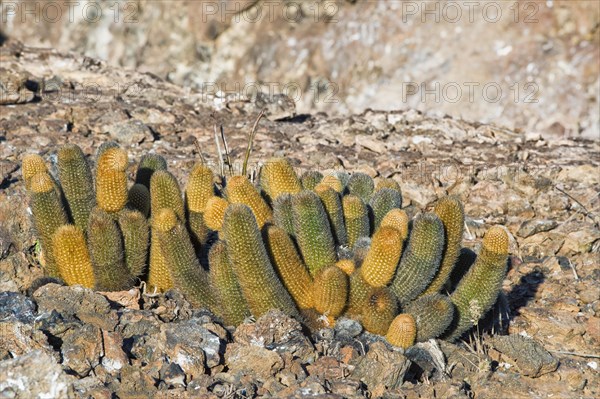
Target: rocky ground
{"x":58,"y":341}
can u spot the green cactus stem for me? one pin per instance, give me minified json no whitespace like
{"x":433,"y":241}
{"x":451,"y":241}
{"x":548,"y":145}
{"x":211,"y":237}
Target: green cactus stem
{"x":421,"y":259}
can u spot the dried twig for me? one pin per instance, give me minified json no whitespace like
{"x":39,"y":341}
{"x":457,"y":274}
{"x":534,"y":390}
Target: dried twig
{"x":227,"y":158}
{"x":199,"y":151}
{"x":251,"y":142}
{"x":590,"y":355}
{"x":220,"y":153}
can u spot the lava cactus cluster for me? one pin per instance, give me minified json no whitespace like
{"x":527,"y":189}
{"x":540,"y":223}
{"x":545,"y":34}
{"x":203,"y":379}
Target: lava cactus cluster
{"x":317,"y":247}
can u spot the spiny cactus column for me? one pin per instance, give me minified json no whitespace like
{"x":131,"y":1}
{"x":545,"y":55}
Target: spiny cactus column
{"x":383,"y":201}
{"x":310,"y":179}
{"x":379,"y":310}
{"x":232,"y":305}
{"x":111,"y":180}
{"x":215,"y":212}
{"x":333,"y":206}
{"x":433,"y":314}
{"x":382,"y":259}
{"x":289,"y":266}
{"x":346,"y":265}
{"x":261,"y":287}
{"x":356,"y":217}
{"x":333,"y":182}
{"x":478,"y":290}
{"x":138,"y":198}
{"x":239,"y":190}
{"x":31,"y":165}
{"x":72,"y":257}
{"x":360,"y":250}
{"x":330,"y":291}
{"x":278,"y":177}
{"x":358,"y":294}
{"x":402,"y":332}
{"x":397,"y":219}
{"x":76,"y":181}
{"x":136,"y":234}
{"x":159,"y":276}
{"x":388,"y":183}
{"x":313,"y":233}
{"x":451,"y":213}
{"x":283,"y":215}
{"x":185,"y":269}
{"x":149,"y":164}
{"x":106,"y":251}
{"x":166,"y":193}
{"x":361,"y":185}
{"x":421,"y":259}
{"x":199,"y":189}
{"x":48,"y":216}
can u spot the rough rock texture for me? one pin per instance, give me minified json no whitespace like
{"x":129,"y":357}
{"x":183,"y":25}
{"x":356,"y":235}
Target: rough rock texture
{"x":134,"y":344}
{"x":530,"y":65}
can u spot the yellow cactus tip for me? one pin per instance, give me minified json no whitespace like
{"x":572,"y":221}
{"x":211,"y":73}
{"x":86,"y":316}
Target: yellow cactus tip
{"x":41,"y":183}
{"x":333,"y":182}
{"x":68,"y":152}
{"x":165,"y":220}
{"x":402,"y":332}
{"x":397,"y":219}
{"x":114,"y":158}
{"x":346,"y":265}
{"x":33,"y":164}
{"x":495,"y":240}
{"x":215,"y":212}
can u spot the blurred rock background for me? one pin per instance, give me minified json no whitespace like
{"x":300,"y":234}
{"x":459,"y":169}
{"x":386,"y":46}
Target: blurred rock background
{"x":527,"y":65}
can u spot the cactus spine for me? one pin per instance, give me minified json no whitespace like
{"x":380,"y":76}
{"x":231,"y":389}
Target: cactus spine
{"x":379,"y":310}
{"x":421,"y":259}
{"x":331,"y":291}
{"x":334,"y":182}
{"x":278,"y":177}
{"x":381,"y":261}
{"x":198,"y":191}
{"x":76,"y":181}
{"x":178,"y":251}
{"x":289,"y":266}
{"x":282,"y":213}
{"x":356,"y":217}
{"x":433,"y":314}
{"x":333,"y":206}
{"x":361,"y":185}
{"x":111,"y":180}
{"x":346,"y":265}
{"x":31,"y":165}
{"x":48,"y":216}
{"x":397,"y":219}
{"x":383,"y":201}
{"x":227,"y":289}
{"x":149,"y":164}
{"x":138,"y":198}
{"x":402,"y":332}
{"x":248,"y":255}
{"x":106,"y":251}
{"x":165,"y":193}
{"x":159,"y":277}
{"x":215,"y":212}
{"x":136,"y":234}
{"x":451,"y":213}
{"x":72,"y":256}
{"x":310,"y":179}
{"x":313,"y":233}
{"x":239,"y":190}
{"x":479,"y":288}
